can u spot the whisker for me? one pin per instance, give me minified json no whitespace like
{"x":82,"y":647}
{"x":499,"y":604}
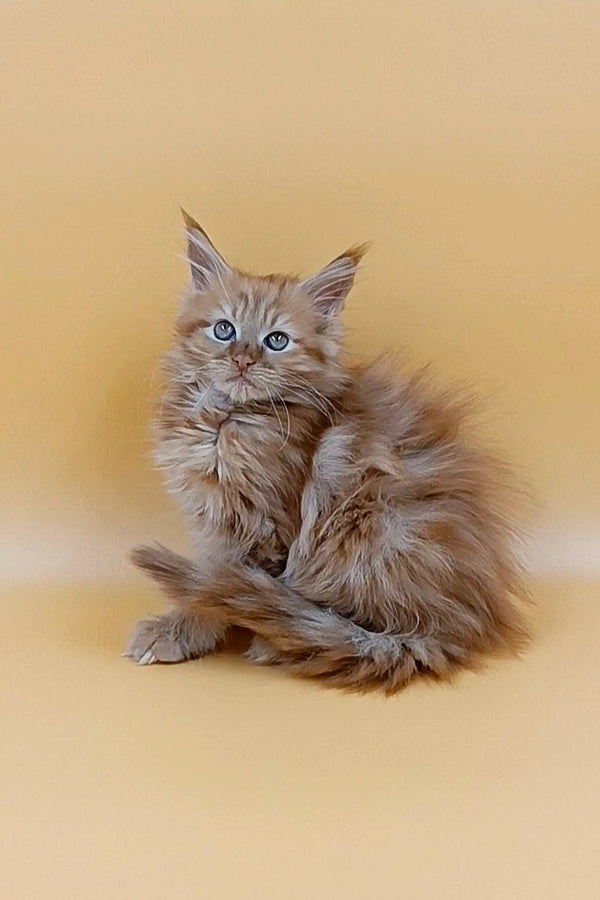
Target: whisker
{"x":315,"y":390}
{"x":307,"y":400}
{"x":279,"y":422}
{"x":323,"y":401}
{"x":289,"y":421}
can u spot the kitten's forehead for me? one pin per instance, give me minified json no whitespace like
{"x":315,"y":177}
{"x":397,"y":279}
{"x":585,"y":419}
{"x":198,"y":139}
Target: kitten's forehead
{"x":270,"y":302}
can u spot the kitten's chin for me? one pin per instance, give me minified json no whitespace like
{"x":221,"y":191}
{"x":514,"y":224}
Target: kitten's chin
{"x":240,"y":390}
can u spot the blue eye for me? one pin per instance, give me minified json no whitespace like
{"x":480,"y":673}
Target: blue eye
{"x":224,"y":330}
{"x":277,"y":340}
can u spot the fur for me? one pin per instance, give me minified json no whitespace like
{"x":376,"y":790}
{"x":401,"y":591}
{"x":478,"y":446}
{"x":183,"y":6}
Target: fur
{"x":338,"y":512}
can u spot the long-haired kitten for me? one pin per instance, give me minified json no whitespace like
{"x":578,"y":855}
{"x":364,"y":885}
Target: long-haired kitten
{"x":337,"y":511}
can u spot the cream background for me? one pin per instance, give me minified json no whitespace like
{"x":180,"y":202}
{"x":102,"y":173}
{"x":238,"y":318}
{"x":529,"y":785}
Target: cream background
{"x":463,"y":139}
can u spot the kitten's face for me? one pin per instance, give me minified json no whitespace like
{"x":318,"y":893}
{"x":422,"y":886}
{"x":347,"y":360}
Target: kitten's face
{"x":257,"y":338}
{"x":262,"y":339}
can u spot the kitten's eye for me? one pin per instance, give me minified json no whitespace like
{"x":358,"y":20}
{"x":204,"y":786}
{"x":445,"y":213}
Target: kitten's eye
{"x":224,"y":330}
{"x":277,"y":340}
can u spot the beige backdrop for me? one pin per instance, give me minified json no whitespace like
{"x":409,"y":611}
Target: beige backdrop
{"x":463,"y":139}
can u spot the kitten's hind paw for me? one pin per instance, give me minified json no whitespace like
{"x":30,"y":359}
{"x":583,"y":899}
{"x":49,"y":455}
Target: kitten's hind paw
{"x":262,"y":653}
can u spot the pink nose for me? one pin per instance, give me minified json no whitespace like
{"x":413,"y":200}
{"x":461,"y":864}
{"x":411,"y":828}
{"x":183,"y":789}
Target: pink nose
{"x":243,"y":362}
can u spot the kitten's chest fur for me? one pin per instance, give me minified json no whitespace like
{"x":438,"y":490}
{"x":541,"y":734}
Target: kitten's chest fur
{"x":240,"y":473}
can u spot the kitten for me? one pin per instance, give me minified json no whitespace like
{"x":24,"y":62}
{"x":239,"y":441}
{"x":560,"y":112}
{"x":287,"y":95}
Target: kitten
{"x":337,"y":512}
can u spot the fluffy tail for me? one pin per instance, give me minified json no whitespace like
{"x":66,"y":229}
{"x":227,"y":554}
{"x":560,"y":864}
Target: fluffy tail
{"x":312,"y":641}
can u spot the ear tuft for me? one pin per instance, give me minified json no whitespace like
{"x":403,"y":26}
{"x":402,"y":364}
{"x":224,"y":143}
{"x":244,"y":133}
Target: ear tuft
{"x":204,"y":259}
{"x":357,"y":251}
{"x":330,"y":287}
{"x":189,"y":222}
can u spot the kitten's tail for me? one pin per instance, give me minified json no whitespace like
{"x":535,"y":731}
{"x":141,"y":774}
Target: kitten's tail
{"x":311,"y":640}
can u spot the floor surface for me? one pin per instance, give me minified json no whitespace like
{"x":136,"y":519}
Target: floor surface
{"x":215,"y":779}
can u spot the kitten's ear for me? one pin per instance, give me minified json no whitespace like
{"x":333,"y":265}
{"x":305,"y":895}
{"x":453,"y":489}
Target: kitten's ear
{"x":330,"y":287}
{"x":204,"y":259}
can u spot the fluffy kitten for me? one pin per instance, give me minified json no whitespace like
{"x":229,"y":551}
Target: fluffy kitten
{"x":337,"y":512}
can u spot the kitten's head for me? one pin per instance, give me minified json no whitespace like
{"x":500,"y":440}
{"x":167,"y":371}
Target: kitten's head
{"x":261,"y":338}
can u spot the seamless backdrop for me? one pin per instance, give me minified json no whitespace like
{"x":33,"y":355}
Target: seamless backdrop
{"x":463,"y":140}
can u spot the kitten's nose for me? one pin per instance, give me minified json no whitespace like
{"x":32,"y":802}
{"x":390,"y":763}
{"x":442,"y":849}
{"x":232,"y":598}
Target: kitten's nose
{"x":243,"y":362}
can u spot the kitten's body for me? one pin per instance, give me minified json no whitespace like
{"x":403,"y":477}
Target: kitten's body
{"x":337,"y":512}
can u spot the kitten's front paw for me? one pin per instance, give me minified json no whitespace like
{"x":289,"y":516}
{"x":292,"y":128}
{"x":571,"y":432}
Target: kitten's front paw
{"x":152,"y":640}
